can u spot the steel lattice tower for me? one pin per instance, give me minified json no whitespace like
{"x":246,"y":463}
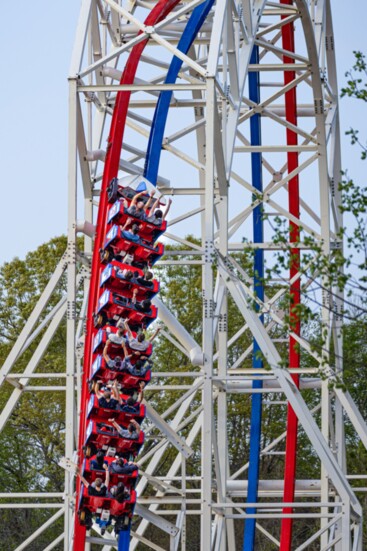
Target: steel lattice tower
{"x":243,"y":98}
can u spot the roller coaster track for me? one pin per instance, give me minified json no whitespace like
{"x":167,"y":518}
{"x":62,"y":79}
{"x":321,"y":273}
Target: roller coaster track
{"x":161,"y":10}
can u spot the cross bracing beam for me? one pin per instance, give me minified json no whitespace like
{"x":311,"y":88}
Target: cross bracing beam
{"x":344,"y":397}
{"x":40,"y":530}
{"x":238,"y":293}
{"x":173,"y":470}
{"x":170,"y":434}
{"x":164,"y":525}
{"x":32,"y":320}
{"x":23,"y":383}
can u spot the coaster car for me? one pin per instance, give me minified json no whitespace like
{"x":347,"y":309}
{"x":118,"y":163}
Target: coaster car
{"x":117,"y":214}
{"x":104,"y":519}
{"x":123,"y":418}
{"x":143,"y":252}
{"x":113,"y":280}
{"x":105,"y":506}
{"x":128,"y":186}
{"x":115,"y":305}
{"x":101,"y":372}
{"x":90,"y":474}
{"x":100,"y":339}
{"x":100,"y":436}
{"x":132,"y":381}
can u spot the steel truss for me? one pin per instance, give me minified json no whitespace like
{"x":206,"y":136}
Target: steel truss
{"x":212,"y":108}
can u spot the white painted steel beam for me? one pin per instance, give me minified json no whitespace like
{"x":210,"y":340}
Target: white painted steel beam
{"x":70,"y":397}
{"x":54,"y":543}
{"x":168,"y":432}
{"x":238,"y":488}
{"x":32,"y":320}
{"x":81,"y":34}
{"x":179,"y":332}
{"x":158,"y":521}
{"x":40,"y":530}
{"x":171,"y":472}
{"x":36,"y":358}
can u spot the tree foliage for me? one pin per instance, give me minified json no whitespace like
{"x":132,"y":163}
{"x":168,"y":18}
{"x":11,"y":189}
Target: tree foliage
{"x":32,"y":441}
{"x":356,"y":88}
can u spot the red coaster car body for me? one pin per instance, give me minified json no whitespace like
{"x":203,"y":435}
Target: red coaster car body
{"x":103,"y":373}
{"x":128,"y":480}
{"x":117,"y":305}
{"x":96,"y":413}
{"x":132,"y":381}
{"x":112,"y":279}
{"x":148,"y":231}
{"x":143,"y":252}
{"x":100,"y":436}
{"x":100,"y":339}
{"x":98,"y":504}
{"x":114,"y":305}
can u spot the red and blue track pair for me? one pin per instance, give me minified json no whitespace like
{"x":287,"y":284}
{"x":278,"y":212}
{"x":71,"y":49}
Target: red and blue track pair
{"x":123,"y":288}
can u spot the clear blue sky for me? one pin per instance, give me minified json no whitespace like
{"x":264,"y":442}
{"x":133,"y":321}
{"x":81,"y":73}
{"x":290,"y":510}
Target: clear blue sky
{"x":36,"y":43}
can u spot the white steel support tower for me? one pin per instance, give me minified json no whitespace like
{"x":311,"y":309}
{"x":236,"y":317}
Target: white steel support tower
{"x":208,"y":166}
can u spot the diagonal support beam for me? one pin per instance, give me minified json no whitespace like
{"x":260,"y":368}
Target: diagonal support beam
{"x":40,"y":530}
{"x":54,"y":543}
{"x":37,"y":311}
{"x":150,"y":31}
{"x":172,"y":472}
{"x":58,"y":313}
{"x":168,"y":432}
{"x":353,"y":413}
{"x":159,"y":485}
{"x":158,"y":521}
{"x":37,"y":356}
{"x":289,"y":388}
{"x":81,"y":33}
{"x":181,"y":334}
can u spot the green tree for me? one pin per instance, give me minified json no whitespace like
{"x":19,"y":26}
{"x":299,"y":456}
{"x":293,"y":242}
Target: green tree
{"x":355,"y":195}
{"x":32,"y":441}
